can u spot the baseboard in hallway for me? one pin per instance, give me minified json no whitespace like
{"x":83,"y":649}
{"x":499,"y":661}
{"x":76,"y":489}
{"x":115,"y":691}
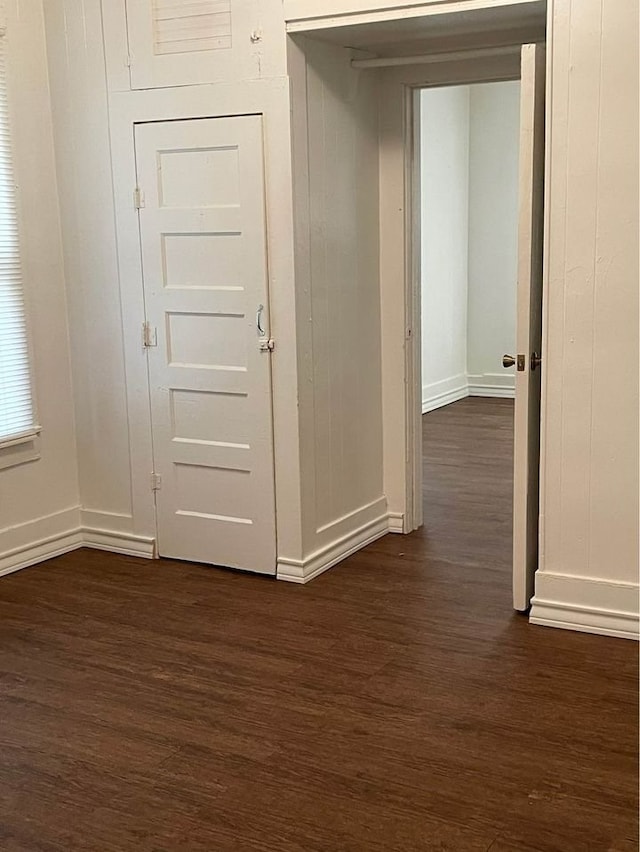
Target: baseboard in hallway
{"x":447,"y":391}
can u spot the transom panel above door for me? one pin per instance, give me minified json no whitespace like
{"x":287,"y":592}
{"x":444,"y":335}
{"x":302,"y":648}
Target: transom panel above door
{"x":186,"y":42}
{"x":203,"y":243}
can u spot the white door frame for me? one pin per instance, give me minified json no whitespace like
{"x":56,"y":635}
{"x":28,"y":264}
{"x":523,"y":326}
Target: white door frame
{"x":269,"y":98}
{"x":400,"y":260}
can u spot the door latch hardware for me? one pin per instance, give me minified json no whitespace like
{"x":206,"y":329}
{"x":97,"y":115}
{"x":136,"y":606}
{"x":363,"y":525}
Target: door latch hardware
{"x":536,"y":360}
{"x":156,"y":482}
{"x":518,"y":362}
{"x":267,"y":344}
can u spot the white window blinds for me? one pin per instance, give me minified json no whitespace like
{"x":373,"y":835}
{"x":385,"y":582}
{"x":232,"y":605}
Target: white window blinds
{"x":16,"y":404}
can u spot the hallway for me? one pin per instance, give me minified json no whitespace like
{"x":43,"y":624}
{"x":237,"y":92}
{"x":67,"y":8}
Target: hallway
{"x":395,"y":703}
{"x":467,"y":485}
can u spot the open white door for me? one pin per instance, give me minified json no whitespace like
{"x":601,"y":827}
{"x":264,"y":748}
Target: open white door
{"x":529,"y":326}
{"x":203,"y":240}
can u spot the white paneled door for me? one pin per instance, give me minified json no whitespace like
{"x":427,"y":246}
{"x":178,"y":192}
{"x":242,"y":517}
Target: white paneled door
{"x":529,"y":325}
{"x":203,"y":242}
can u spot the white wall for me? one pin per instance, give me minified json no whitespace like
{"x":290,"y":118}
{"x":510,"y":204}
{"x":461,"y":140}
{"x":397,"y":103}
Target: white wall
{"x":111,"y":396}
{"x":469,"y":187}
{"x":39,"y":499}
{"x":589,"y":500}
{"x":494,"y":127}
{"x":444,"y":173}
{"x":589,"y":454}
{"x":338,"y":294}
{"x":83,"y":161}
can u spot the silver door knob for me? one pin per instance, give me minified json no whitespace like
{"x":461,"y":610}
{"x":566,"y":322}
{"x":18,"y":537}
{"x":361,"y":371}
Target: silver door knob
{"x":508,"y":361}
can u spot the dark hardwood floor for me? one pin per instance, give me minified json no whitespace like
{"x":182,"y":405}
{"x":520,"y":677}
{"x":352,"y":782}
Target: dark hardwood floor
{"x":395,"y":703}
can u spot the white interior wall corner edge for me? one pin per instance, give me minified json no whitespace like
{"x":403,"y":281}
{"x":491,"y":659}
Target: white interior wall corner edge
{"x":341,"y":490}
{"x":444,"y":392}
{"x":38,"y":539}
{"x":304,"y":570}
{"x":494,"y":123}
{"x":397,"y":522}
{"x":126,"y":544}
{"x":78,"y":91}
{"x":438,"y":394}
{"x":444,"y":242}
{"x":44,"y":538}
{"x":586,"y":604}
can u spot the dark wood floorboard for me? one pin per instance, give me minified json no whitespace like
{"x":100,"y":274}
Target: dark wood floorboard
{"x":395,"y":703}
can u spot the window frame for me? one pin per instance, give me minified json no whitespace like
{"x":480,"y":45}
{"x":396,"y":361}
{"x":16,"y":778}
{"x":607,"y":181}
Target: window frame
{"x":24,"y":446}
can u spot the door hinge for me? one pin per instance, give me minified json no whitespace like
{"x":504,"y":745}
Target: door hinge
{"x":138,"y":198}
{"x":156,"y":482}
{"x":149,"y":335}
{"x":128,"y":60}
{"x":267,"y":344}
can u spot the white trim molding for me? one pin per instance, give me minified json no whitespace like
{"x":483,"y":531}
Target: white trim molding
{"x":306,"y":15}
{"x":124,"y":543}
{"x":53,"y":535}
{"x":21,"y":438}
{"x":304,"y":570}
{"x":586,"y":604}
{"x":438,"y":394}
{"x":446,"y":391}
{"x":495,"y":385}
{"x":362,"y":515}
{"x":39,"y":551}
{"x":397,"y":522}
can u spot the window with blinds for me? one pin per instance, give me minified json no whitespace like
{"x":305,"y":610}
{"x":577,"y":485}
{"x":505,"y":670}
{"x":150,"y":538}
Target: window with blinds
{"x":16,"y":398}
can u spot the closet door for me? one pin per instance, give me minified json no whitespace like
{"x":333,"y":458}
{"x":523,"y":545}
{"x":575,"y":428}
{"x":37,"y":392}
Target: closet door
{"x":184,"y":42}
{"x":203,"y":242}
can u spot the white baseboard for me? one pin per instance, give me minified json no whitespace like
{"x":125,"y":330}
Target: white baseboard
{"x":119,"y":542}
{"x":496,"y":385}
{"x":339,"y":527}
{"x":53,"y":535}
{"x":41,"y":538}
{"x":39,"y":551}
{"x":396,"y":522}
{"x":302,"y":571}
{"x":114,"y":532}
{"x":438,"y":394}
{"x":586,"y":604}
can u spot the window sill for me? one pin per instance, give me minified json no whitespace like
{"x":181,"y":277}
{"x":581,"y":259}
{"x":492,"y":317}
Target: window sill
{"x":19,"y":449}
{"x":21,"y":438}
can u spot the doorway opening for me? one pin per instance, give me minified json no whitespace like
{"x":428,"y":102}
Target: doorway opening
{"x":358,"y":275}
{"x":468,"y":150}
